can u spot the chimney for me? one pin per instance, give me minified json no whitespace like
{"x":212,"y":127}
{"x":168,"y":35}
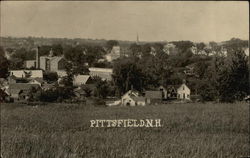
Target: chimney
{"x":37,"y":58}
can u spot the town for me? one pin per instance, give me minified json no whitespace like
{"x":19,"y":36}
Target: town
{"x":79,"y":71}
{"x":124,"y":79}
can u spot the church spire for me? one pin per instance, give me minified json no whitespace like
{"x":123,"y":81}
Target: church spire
{"x":137,"y":38}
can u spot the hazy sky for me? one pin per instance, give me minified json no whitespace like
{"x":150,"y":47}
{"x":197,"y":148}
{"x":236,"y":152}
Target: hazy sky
{"x":153,"y":21}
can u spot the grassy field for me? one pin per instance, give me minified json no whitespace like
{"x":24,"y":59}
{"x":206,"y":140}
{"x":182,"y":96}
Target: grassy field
{"x":63,"y":131}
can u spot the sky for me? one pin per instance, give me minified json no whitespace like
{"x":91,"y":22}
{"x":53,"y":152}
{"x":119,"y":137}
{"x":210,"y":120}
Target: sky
{"x":122,"y":20}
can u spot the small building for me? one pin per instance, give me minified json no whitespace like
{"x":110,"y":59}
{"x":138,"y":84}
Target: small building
{"x":103,"y":73}
{"x":172,"y":92}
{"x":30,"y":63}
{"x":183,"y":92}
{"x":115,"y":53}
{"x":132,"y":98}
{"x":153,"y":97}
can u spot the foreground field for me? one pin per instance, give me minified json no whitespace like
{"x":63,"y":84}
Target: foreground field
{"x":63,"y":131}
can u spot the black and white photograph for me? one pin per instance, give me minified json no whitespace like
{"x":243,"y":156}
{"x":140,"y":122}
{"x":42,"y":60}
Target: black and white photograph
{"x":124,"y":79}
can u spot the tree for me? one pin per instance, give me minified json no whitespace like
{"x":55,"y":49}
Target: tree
{"x":236,"y":78}
{"x":50,"y":76}
{"x":57,"y":49}
{"x":4,"y":66}
{"x":135,"y":49}
{"x":87,"y":89}
{"x":200,"y":46}
{"x":111,"y":43}
{"x":127,"y":75}
{"x":102,"y":89}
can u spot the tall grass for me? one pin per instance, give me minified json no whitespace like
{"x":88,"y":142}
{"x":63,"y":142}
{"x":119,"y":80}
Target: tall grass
{"x":63,"y":131}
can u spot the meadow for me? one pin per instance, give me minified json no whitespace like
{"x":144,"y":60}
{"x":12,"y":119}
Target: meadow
{"x":193,"y":130}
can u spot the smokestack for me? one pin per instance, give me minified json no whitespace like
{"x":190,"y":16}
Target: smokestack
{"x":37,"y":58}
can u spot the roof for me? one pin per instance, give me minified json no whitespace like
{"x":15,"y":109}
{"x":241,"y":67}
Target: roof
{"x":97,"y":69}
{"x":138,"y":98}
{"x":56,"y":58}
{"x":153,"y":94}
{"x":81,"y":79}
{"x":40,"y":80}
{"x":21,"y":73}
{"x":132,"y":93}
{"x":103,"y":73}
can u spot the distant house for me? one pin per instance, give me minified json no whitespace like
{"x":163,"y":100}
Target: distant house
{"x":170,"y":48}
{"x":172,"y":91}
{"x":175,"y":92}
{"x":20,"y":91}
{"x":115,"y":53}
{"x":27,"y":73}
{"x":132,"y":98}
{"x":81,"y":79}
{"x":30,"y":63}
{"x":103,"y":73}
{"x":183,"y":92}
{"x":153,"y":97}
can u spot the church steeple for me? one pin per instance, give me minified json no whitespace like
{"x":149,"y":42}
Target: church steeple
{"x":137,"y":38}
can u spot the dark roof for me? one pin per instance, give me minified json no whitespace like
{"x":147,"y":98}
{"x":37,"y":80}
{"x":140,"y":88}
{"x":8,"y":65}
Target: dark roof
{"x":153,"y":94}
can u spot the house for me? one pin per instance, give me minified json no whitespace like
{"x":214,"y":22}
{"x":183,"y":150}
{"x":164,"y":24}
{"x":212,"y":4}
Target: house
{"x":30,"y":63}
{"x":27,"y":73}
{"x":170,"y":49}
{"x":132,"y":98}
{"x":175,"y":92}
{"x":172,"y":91}
{"x":103,"y":73}
{"x":153,"y":97}
{"x":114,"y":54}
{"x":183,"y":92}
{"x":163,"y":91}
{"x":81,"y":79}
{"x":20,"y":91}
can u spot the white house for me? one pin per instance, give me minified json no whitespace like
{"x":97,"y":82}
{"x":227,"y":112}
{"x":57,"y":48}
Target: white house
{"x":114,"y":54}
{"x":132,"y":98}
{"x":183,"y":92}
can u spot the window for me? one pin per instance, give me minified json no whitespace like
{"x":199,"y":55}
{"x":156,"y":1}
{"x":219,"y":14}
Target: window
{"x":183,"y":88}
